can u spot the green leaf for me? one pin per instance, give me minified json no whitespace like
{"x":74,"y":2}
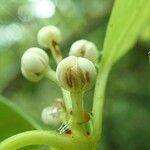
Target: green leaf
{"x":13,"y":120}
{"x":126,"y":22}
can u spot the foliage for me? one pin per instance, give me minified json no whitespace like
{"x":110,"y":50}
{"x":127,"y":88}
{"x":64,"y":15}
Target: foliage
{"x":130,"y":87}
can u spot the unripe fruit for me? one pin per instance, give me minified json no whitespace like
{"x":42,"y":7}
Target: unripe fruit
{"x":34,"y":64}
{"x":76,"y":73}
{"x":49,"y":35}
{"x":84,"y":48}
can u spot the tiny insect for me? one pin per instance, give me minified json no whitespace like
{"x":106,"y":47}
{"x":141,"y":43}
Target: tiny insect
{"x":64,"y":128}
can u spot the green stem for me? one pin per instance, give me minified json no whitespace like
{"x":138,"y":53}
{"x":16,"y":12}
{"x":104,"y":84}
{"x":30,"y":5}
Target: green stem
{"x":49,"y":138}
{"x":51,"y":75}
{"x":77,"y":107}
{"x":36,"y":137}
{"x":78,"y":114}
{"x":98,"y":103}
{"x":67,"y":100}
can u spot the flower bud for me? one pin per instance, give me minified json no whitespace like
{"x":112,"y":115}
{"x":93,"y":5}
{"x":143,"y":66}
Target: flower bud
{"x":76,"y":73}
{"x":49,"y":35}
{"x":52,"y":116}
{"x":34,"y":64}
{"x":84,"y":48}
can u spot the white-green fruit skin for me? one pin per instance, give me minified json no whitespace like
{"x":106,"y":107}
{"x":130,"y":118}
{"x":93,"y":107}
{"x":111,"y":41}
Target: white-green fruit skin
{"x":84,"y":48}
{"x":51,"y":116}
{"x":76,"y":73}
{"x":47,"y":35}
{"x":34,"y":63}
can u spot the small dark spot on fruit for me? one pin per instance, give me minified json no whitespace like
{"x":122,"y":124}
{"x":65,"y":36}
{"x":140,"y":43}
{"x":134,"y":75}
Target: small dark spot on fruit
{"x":37,"y":74}
{"x":87,"y":76}
{"x":82,"y":52}
{"x":71,"y":112}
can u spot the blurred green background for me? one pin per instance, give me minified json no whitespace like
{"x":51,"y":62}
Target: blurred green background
{"x":126,"y":124}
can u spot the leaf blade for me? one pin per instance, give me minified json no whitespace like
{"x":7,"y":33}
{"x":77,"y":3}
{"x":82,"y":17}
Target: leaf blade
{"x":13,"y":119}
{"x":126,"y":21}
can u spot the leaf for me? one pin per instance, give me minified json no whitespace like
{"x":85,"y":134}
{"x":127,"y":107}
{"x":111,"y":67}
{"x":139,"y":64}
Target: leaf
{"x":127,"y":19}
{"x":13,"y":120}
{"x":126,"y":22}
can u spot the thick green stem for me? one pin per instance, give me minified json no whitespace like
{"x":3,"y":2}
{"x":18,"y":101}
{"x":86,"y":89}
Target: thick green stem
{"x":36,"y":137}
{"x":77,"y":107}
{"x":97,"y":110}
{"x":78,"y":114}
{"x":49,"y":138}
